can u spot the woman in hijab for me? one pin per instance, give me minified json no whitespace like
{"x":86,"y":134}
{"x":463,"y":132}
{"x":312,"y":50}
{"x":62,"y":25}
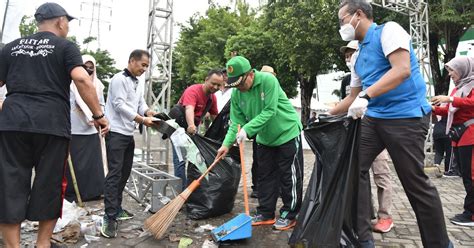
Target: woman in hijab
{"x":85,"y":148}
{"x":459,"y":107}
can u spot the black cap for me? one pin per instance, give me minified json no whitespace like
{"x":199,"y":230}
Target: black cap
{"x":51,"y":10}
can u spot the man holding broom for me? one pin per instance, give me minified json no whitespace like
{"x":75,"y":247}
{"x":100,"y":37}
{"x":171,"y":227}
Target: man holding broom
{"x":35,"y":125}
{"x":261,"y":108}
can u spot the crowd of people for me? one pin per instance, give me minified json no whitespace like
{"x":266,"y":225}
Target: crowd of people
{"x":55,"y":106}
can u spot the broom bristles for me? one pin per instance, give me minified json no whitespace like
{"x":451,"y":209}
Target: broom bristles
{"x":159,"y":222}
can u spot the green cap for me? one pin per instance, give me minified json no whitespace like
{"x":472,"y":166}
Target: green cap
{"x":236,"y":68}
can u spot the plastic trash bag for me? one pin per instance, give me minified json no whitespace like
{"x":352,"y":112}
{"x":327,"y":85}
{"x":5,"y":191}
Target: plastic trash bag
{"x":216,"y":194}
{"x":329,"y":210}
{"x":220,"y":125}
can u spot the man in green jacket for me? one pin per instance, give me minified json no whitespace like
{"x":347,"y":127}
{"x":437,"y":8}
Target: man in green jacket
{"x":261,"y":108}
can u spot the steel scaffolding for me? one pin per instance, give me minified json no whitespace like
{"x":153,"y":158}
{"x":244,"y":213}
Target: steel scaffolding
{"x":158,"y":77}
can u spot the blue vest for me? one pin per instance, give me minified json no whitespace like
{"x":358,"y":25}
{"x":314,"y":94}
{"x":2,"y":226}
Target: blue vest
{"x":408,"y":99}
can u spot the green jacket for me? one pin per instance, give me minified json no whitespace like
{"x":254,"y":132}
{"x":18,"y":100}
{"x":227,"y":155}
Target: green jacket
{"x":264,"y":111}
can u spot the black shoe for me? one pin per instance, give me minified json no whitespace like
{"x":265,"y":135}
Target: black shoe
{"x":450,"y":174}
{"x":124,"y":215}
{"x":109,"y":227}
{"x":462,"y":220}
{"x":254,"y":194}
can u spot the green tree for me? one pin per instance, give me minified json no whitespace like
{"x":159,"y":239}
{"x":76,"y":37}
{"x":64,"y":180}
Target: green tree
{"x":27,"y":26}
{"x":449,"y":20}
{"x":307,"y":42}
{"x":202,"y":44}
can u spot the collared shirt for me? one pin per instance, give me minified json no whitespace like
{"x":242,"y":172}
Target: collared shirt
{"x":124,"y":102}
{"x":408,"y":99}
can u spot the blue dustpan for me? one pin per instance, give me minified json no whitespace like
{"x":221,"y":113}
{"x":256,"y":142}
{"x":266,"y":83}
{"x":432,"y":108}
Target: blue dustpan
{"x":240,"y":227}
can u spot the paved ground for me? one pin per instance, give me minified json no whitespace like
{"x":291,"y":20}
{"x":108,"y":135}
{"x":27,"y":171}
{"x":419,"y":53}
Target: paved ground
{"x":404,"y":234}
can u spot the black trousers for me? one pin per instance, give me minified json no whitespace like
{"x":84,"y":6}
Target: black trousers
{"x":254,"y":165}
{"x":280,"y":172}
{"x":120,"y":160}
{"x":404,"y":139}
{"x":464,"y":156}
{"x":20,"y":153}
{"x":443,"y":150}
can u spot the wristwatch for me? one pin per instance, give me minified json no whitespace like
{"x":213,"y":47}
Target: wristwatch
{"x":363,"y":94}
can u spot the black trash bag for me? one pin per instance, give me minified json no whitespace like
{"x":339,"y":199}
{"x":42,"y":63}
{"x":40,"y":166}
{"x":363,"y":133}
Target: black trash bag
{"x":329,"y":210}
{"x":220,"y":125}
{"x":216,"y":195}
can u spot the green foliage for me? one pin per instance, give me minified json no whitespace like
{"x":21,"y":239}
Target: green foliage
{"x":202,"y":44}
{"x":27,"y":26}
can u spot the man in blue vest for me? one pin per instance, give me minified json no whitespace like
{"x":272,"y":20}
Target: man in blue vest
{"x":389,"y":94}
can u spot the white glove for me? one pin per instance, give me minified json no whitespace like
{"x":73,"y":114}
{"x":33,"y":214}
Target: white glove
{"x":358,"y":108}
{"x":241,"y":136}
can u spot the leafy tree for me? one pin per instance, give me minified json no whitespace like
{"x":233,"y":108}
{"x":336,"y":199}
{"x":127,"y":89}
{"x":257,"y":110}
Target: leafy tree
{"x":27,"y":26}
{"x":307,"y":40}
{"x":202,"y":44}
{"x":449,"y":20}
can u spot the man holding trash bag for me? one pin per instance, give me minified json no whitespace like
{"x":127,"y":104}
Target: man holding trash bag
{"x":261,"y":108}
{"x":389,"y":94}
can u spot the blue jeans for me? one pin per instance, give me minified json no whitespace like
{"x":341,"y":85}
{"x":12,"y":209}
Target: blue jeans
{"x":179,"y":169}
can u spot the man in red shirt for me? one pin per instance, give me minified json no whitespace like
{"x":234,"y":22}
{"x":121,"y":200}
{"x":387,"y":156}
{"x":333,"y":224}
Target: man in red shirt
{"x":198,"y":100}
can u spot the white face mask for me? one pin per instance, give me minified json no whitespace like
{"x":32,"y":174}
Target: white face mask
{"x":348,"y":64}
{"x":347,"y":31}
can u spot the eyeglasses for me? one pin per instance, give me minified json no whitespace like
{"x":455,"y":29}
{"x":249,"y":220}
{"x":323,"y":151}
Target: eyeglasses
{"x":341,"y":21}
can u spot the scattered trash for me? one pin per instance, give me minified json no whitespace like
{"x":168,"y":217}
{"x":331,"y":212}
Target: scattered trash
{"x":184,"y":242}
{"x":147,"y":208}
{"x":84,"y":245}
{"x":30,"y":226}
{"x":71,"y":212}
{"x":204,"y":228}
{"x":90,"y":238}
{"x":70,"y":234}
{"x":210,"y":244}
{"x":173,"y":237}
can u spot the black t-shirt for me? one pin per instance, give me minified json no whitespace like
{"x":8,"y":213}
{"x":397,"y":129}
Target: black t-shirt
{"x":345,"y":86}
{"x":37,"y":72}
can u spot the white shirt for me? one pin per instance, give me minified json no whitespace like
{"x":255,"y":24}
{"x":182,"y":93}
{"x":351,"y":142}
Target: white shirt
{"x":222,"y":98}
{"x":124,"y":102}
{"x":393,"y":37}
{"x":3,"y":93}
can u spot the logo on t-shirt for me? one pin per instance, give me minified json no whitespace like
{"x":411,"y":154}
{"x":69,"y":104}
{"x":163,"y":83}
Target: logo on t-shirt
{"x":32,"y":48}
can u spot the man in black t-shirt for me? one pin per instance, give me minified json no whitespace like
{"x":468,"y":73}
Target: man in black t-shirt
{"x":35,"y":123}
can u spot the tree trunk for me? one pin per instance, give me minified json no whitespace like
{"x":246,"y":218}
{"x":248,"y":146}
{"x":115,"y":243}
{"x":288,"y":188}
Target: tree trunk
{"x":440,"y":75}
{"x":306,"y":89}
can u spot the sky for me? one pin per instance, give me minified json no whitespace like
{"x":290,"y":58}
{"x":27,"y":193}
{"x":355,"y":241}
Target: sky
{"x":129,"y":21}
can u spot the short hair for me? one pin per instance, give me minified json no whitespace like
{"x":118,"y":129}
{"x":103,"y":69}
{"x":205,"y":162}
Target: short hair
{"x":137,"y":54}
{"x":354,"y":5}
{"x":211,"y":72}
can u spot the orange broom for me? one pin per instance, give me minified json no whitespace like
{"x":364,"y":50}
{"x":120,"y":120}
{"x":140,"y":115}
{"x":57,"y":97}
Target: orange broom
{"x":159,"y":222}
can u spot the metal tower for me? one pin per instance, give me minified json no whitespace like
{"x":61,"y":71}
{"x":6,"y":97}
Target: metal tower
{"x":97,"y":18}
{"x":158,"y":76}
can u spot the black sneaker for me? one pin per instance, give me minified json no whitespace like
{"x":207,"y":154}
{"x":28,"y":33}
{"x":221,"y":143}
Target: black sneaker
{"x":450,"y":174}
{"x":124,"y":215}
{"x":109,"y":227}
{"x":462,"y":220}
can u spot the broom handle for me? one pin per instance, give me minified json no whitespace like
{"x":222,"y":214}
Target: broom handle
{"x":74,"y":181}
{"x":244,"y":176}
{"x":210,"y":168}
{"x":104,"y":153}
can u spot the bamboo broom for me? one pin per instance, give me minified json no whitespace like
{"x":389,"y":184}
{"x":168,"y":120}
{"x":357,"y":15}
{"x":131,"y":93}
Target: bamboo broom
{"x":159,"y":222}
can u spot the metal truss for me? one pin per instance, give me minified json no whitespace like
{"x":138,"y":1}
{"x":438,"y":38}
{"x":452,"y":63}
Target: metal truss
{"x":152,"y":187}
{"x":158,"y":77}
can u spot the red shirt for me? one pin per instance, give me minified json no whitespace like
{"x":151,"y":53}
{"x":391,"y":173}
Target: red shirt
{"x":463,"y":114}
{"x":194,"y":95}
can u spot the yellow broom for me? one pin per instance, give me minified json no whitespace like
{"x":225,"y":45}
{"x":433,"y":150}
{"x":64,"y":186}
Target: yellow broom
{"x":159,"y":222}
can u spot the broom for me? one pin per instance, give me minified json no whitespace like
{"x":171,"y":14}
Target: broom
{"x":159,"y":222}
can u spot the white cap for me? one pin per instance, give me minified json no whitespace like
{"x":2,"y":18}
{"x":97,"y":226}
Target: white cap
{"x":353,"y":44}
